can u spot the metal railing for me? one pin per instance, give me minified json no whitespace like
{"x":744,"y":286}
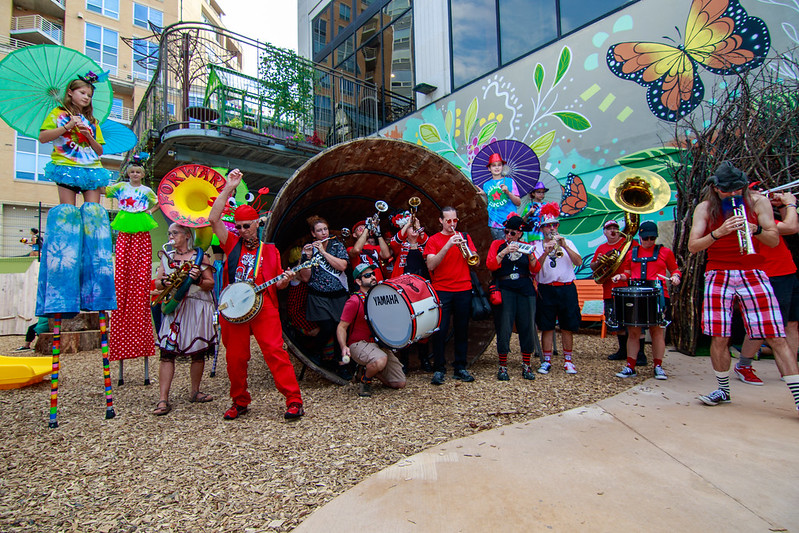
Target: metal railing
{"x":198,"y":74}
{"x":40,"y":24}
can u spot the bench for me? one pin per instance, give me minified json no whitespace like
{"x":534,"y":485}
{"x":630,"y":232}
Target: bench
{"x":592,"y":307}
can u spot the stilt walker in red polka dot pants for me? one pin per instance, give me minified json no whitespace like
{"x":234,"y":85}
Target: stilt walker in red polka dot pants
{"x":248,"y":259}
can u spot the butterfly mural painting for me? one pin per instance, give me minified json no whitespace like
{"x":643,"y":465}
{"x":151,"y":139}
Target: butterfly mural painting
{"x":575,"y":197}
{"x":719,"y":35}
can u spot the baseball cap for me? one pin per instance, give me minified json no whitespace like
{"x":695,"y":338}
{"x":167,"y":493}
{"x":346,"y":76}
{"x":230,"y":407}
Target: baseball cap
{"x":648,"y":229}
{"x":360,"y":269}
{"x":611,"y":223}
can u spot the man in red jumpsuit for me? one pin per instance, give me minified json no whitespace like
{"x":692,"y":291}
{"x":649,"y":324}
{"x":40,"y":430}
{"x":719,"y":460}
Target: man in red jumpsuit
{"x":248,"y":259}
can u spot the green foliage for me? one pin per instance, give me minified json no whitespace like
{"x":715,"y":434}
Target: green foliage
{"x":541,"y":145}
{"x":287,"y":83}
{"x":573,"y":121}
{"x":471,"y":118}
{"x":538,"y":76}
{"x":563,"y":64}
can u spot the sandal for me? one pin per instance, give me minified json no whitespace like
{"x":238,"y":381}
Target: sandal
{"x":161,"y":411}
{"x":201,"y":397}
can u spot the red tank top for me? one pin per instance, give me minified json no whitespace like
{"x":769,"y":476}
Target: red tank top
{"x":725,"y":253}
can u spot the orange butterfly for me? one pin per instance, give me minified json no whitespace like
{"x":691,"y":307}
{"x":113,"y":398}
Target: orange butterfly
{"x":575,"y":197}
{"x":719,"y":34}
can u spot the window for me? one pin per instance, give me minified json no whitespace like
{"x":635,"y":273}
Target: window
{"x":116,"y":109}
{"x":344,"y":12}
{"x":474,"y":39}
{"x":526,"y":25}
{"x":102,"y":46}
{"x":30,"y":158}
{"x":145,"y":59}
{"x":109,"y":8}
{"x":577,"y":13}
{"x":323,"y":110}
{"x":320,"y":31}
{"x":144,"y":14}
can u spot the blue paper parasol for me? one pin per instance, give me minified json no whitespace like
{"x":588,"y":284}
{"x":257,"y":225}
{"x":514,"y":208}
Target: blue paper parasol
{"x":521,"y":164}
{"x":118,"y":137}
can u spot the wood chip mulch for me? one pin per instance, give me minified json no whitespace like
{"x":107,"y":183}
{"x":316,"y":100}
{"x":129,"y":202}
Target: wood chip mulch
{"x":193,"y":471}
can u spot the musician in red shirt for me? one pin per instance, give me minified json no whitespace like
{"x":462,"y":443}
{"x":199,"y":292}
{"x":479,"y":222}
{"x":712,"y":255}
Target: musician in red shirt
{"x":249,"y":259}
{"x":356,"y":340}
{"x":780,"y":268}
{"x":649,"y":262}
{"x":732,"y":274}
{"x":615,"y":241}
{"x":452,"y":280}
{"x":370,"y":247}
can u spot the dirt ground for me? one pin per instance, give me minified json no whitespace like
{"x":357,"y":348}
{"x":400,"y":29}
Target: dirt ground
{"x":192,"y":470}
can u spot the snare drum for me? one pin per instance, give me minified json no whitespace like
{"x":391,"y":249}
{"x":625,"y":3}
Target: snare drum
{"x":403,"y":310}
{"x":637,"y":306}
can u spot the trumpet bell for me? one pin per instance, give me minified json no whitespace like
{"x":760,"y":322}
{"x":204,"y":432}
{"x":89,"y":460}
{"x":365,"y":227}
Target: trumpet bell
{"x":414,"y":201}
{"x":639,"y":191}
{"x":381,"y":206}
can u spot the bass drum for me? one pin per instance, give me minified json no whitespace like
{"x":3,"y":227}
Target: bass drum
{"x":403,"y":310}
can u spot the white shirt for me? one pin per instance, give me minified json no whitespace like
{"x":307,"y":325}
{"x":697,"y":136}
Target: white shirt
{"x":562,"y":272}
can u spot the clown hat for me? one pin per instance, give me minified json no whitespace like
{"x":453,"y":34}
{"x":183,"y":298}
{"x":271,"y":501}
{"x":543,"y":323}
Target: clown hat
{"x":549,"y":213}
{"x":495,"y":158}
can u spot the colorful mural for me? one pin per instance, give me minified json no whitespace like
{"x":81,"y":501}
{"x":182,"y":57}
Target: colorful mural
{"x":586,"y":122}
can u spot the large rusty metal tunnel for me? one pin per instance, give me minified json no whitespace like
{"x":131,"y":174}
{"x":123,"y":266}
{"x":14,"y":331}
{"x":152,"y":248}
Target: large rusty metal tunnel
{"x":342,"y":185}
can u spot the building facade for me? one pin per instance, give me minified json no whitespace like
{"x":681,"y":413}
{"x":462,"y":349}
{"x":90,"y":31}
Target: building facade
{"x":558,"y":76}
{"x":117,"y":34}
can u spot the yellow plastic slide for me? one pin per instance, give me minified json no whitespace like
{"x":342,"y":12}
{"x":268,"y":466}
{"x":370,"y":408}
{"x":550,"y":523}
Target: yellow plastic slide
{"x":17,"y":372}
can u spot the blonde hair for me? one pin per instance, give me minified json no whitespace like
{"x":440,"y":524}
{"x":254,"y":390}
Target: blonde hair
{"x":70,"y":106}
{"x":134,"y":165}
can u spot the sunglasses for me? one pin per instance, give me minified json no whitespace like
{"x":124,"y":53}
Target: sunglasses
{"x":511,"y":232}
{"x":612,"y":228}
{"x":648,"y":238}
{"x":368,"y":275}
{"x":243,"y":226}
{"x":451,"y":220}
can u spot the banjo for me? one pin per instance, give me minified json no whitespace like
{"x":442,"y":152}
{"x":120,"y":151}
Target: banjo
{"x":240,"y":302}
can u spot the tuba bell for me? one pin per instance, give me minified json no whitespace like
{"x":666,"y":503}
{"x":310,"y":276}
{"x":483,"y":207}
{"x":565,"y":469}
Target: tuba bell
{"x":636,"y":192}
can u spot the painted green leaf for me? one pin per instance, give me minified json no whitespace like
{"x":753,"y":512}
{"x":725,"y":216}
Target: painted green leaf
{"x":471,"y":117}
{"x":448,"y":123}
{"x":429,"y":133}
{"x":538,"y":76}
{"x":541,"y":145}
{"x":655,"y":159}
{"x":487,"y":132}
{"x":572,"y":120}
{"x":598,"y":211}
{"x":563,"y":64}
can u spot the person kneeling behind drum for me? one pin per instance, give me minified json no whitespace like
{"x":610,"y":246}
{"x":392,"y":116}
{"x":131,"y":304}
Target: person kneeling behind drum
{"x":358,"y":343}
{"x":649,"y":262}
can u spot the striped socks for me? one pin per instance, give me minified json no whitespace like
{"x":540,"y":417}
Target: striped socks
{"x":793,"y":384}
{"x":724,"y":381}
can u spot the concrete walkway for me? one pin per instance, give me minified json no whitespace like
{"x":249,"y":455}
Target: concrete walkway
{"x":650,"y":459}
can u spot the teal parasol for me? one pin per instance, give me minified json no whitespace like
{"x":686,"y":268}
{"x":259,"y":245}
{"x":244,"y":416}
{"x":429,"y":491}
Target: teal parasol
{"x":34,"y":79}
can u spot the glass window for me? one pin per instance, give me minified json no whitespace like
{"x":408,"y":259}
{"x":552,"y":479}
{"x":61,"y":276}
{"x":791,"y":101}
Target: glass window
{"x":102,"y":46}
{"x":319,"y":29}
{"x":144,"y":14}
{"x":116,"y":109}
{"x":526,"y":25}
{"x":369,"y":59}
{"x":344,"y":51}
{"x":323,"y":110}
{"x":145,"y":59}
{"x":577,"y":13}
{"x":30,"y":158}
{"x":401,"y":55}
{"x":109,"y":8}
{"x":344,"y":11}
{"x":474,"y":39}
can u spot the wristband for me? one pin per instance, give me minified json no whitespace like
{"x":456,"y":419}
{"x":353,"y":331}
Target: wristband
{"x":758,"y":231}
{"x":791,"y":205}
{"x":713,"y":236}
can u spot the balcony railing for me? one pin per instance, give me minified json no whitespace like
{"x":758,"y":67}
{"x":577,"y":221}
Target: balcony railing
{"x":287,"y":97}
{"x":125,"y":114}
{"x":29,"y":24}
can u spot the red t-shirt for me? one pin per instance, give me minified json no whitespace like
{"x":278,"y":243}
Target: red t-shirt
{"x":452,"y":274}
{"x":601,"y":250}
{"x":246,"y":268}
{"x":665,"y":262}
{"x":778,"y":261}
{"x":353,"y":313}
{"x":400,"y":247}
{"x":371,"y":255}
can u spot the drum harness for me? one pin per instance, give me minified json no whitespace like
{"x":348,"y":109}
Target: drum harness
{"x":643,"y":262}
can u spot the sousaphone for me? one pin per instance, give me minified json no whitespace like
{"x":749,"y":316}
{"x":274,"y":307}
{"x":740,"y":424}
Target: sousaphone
{"x":637,"y":192}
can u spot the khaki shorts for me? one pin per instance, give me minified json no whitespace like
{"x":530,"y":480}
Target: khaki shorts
{"x":363,"y":353}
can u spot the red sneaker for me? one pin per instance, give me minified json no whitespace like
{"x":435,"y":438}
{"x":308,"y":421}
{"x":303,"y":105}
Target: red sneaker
{"x":747,"y":375}
{"x":235,"y":411}
{"x":294,"y":411}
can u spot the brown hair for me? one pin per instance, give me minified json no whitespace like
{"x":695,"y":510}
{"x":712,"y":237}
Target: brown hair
{"x":70,"y":106}
{"x":714,"y":210}
{"x":314,"y":220}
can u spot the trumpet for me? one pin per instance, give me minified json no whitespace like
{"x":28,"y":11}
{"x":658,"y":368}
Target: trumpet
{"x":745,"y":243}
{"x":373,"y":223}
{"x":414,"y":202}
{"x":558,"y":250}
{"x":471,"y":258}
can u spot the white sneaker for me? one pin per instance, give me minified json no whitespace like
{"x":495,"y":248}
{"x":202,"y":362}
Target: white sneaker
{"x":659,"y":373}
{"x":569,"y":368}
{"x":626,"y":372}
{"x":544,"y":368}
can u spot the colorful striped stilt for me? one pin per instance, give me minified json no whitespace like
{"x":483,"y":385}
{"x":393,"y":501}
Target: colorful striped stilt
{"x":109,"y":399}
{"x":54,"y":376}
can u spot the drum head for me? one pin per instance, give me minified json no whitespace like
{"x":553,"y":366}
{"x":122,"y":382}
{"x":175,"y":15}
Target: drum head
{"x":389,"y":314}
{"x":237,"y":299}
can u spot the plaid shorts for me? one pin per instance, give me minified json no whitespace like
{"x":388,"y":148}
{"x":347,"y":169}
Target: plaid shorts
{"x":759,"y":307}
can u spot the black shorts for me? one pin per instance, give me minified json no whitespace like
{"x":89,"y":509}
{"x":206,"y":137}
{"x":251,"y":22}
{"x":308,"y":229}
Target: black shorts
{"x":557,"y":303}
{"x":786,"y":289}
{"x":73,"y":188}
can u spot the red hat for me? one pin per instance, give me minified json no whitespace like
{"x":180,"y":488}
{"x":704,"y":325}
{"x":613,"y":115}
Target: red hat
{"x":549,"y":213}
{"x":245,"y":212}
{"x":359,"y":223}
{"x":495,"y":158}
